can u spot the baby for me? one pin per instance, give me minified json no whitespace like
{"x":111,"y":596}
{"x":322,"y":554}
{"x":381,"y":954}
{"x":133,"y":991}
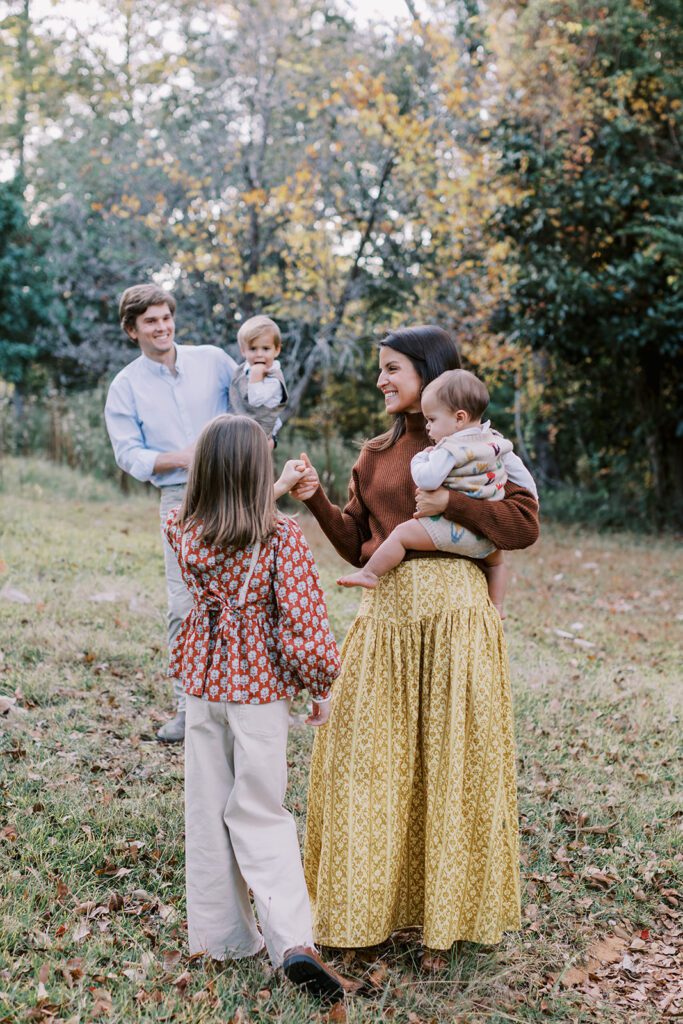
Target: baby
{"x":258,"y":388}
{"x":467,"y":457}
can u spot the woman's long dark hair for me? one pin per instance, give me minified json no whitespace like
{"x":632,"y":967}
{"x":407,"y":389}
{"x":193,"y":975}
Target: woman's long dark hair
{"x":432,"y":351}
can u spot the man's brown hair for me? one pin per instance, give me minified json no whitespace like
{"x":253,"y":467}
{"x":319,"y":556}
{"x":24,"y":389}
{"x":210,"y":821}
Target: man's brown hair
{"x":460,"y":389}
{"x":137,"y":299}
{"x":230,"y":484}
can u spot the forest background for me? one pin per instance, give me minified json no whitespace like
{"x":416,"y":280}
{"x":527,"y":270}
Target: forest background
{"x":510,"y":171}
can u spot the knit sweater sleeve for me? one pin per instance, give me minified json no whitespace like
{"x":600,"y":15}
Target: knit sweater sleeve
{"x":510,"y":524}
{"x":347,"y":529}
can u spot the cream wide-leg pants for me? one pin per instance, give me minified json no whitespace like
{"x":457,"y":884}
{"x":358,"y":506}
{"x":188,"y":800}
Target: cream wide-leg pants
{"x":238,"y":834}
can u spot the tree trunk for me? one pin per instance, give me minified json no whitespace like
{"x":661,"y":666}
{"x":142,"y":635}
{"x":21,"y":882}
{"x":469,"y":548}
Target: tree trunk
{"x":659,"y":429}
{"x":314,"y":357}
{"x":24,"y":73}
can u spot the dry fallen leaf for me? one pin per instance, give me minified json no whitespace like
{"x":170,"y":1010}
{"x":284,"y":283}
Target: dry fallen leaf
{"x":14,"y":595}
{"x":167,"y":913}
{"x":607,"y":950}
{"x":182,"y":981}
{"x":238,"y":1017}
{"x":336,"y":1014}
{"x":115,"y":902}
{"x":573,"y":976}
{"x":81,"y":932}
{"x":171,"y":959}
{"x":43,"y":975}
{"x":102,"y":1001}
{"x":41,"y":940}
{"x":377,"y":976}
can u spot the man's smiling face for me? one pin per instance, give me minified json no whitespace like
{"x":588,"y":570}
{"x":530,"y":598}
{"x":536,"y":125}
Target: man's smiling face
{"x":154,"y":331}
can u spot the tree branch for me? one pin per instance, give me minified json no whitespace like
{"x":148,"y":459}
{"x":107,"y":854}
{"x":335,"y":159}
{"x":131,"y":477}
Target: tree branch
{"x":329,"y":334}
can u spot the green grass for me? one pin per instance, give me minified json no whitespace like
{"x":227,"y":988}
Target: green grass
{"x":91,"y":852}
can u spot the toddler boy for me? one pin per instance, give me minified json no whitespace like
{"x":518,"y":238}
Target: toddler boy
{"x":258,"y":388}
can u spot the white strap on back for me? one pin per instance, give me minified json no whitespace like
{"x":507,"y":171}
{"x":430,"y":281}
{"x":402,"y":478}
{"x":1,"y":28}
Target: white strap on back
{"x":250,"y":572}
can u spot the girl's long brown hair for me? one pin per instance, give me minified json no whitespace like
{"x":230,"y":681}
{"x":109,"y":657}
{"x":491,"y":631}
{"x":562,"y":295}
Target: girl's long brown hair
{"x":230,"y":484}
{"x":432,"y":351}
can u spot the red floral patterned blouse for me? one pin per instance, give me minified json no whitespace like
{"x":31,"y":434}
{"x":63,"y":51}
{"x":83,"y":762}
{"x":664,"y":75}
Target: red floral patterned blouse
{"x":275,"y":643}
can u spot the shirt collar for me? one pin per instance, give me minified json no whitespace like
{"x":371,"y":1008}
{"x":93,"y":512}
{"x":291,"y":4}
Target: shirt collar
{"x":482,"y":428}
{"x":159,"y":368}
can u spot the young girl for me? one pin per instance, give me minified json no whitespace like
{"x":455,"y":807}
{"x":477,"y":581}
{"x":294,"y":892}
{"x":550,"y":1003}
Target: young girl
{"x":468,"y":457}
{"x":257,"y":634}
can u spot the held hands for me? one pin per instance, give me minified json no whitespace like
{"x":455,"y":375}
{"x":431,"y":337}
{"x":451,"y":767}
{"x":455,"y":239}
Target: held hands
{"x":293,"y":471}
{"x":430,"y":503}
{"x":319,"y":713}
{"x":309,"y":482}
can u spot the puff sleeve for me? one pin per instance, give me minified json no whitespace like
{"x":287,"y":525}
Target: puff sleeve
{"x":306,"y":641}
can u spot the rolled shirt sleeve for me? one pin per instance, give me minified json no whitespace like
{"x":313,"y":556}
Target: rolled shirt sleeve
{"x":126,"y":434}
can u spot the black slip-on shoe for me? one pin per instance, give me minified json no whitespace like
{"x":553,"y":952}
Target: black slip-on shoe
{"x":304,"y":967}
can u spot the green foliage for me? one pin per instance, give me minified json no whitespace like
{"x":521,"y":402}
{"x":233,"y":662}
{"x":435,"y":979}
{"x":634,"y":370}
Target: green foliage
{"x":596,"y":254}
{"x":25,"y":292}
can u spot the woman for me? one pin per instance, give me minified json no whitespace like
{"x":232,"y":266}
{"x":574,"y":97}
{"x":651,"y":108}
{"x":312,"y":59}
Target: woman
{"x":412,"y":813}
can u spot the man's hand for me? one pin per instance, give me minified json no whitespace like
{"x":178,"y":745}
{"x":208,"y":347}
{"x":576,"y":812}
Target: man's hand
{"x":309,"y":483}
{"x":319,"y":713}
{"x":166,"y":462}
{"x":430,"y":503}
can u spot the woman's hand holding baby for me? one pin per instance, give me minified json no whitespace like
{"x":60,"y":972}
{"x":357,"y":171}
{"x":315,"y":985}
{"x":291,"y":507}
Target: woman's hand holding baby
{"x":430,"y":503}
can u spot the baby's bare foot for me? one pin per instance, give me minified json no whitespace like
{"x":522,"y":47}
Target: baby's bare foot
{"x":362,"y":578}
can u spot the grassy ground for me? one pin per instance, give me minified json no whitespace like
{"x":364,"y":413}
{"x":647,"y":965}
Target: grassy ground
{"x":91,"y":851}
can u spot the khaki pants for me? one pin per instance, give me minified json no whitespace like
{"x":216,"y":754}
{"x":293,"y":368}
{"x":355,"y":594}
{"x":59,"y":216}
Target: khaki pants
{"x":178,"y":597}
{"x":238,"y":835}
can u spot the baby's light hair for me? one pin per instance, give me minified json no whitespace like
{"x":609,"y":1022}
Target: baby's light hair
{"x":254,"y":327}
{"x":460,"y":389}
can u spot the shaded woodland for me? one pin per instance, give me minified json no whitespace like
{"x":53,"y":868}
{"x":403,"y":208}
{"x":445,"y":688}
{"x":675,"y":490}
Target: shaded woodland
{"x":510,"y":171}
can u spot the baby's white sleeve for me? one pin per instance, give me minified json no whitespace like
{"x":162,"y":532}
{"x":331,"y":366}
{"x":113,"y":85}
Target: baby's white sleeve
{"x":519,"y":474}
{"x":430,"y":468}
{"x":267,"y":392}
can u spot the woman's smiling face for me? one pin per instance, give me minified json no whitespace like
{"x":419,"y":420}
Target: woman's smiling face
{"x":399,"y":381}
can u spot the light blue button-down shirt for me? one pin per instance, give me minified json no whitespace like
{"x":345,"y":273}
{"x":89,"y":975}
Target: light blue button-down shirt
{"x":151,"y":410}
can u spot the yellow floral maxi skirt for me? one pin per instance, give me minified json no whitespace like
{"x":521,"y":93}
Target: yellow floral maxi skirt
{"x":412,"y":805}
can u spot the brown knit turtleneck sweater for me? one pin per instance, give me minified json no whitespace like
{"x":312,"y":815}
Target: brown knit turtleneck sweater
{"x":382,"y":495}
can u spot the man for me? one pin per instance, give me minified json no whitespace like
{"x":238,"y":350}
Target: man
{"x":156,"y":408}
